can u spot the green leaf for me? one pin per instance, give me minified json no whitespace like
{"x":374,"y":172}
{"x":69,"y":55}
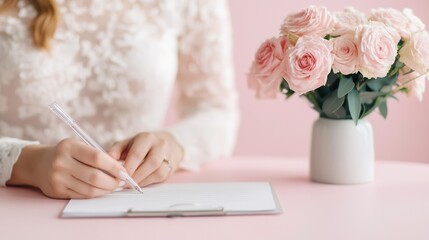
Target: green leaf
{"x":345,"y":86}
{"x":363,"y":110}
{"x":328,"y":37}
{"x":323,"y":91}
{"x":312,"y":98}
{"x":399,"y":64}
{"x":332,"y":103}
{"x":353,"y":101}
{"x":369,"y":97}
{"x":386,"y":89}
{"x":284,"y":85}
{"x":339,"y":114}
{"x":332,"y":77}
{"x":383,"y":109}
{"x":284,"y":88}
{"x":370,"y":107}
{"x":375,"y":84}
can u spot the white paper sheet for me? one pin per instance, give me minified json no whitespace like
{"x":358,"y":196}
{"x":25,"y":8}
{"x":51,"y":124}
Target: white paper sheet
{"x":233,"y":197}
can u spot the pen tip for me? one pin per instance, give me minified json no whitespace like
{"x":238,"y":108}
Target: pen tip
{"x":139,"y":190}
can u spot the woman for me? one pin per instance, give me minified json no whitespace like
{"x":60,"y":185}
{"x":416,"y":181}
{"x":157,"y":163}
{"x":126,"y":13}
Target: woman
{"x":112,"y":65}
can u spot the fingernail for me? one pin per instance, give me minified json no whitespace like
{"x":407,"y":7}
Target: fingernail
{"x":123,"y":175}
{"x":119,"y":189}
{"x":121,"y":184}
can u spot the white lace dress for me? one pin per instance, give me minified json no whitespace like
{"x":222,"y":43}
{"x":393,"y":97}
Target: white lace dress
{"x":113,"y":66}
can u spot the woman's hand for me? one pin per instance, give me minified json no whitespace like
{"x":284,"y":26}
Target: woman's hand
{"x":69,"y":169}
{"x":149,"y":157}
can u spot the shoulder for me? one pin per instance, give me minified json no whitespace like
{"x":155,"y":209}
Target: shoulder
{"x":205,"y":8}
{"x":15,"y":22}
{"x":203,"y":15}
{"x":15,"y":39}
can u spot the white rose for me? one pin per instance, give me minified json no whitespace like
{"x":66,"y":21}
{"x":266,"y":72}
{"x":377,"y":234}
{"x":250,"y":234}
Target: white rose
{"x":414,"y":23}
{"x":346,"y":21}
{"x":415,"y":52}
{"x":414,"y":82}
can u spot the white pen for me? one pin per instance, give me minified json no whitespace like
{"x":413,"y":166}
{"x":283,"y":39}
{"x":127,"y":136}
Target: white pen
{"x":56,"y":108}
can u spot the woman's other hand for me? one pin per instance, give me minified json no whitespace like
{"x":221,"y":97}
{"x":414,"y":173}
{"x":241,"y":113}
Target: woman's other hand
{"x":149,"y":157}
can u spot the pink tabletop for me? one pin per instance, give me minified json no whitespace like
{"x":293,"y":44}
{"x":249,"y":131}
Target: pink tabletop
{"x":395,"y":206}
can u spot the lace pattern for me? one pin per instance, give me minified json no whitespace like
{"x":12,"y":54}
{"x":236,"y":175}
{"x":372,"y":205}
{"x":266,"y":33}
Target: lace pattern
{"x":10,"y":149}
{"x":113,"y":65}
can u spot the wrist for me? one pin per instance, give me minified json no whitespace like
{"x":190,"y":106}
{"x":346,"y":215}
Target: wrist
{"x":24,"y":171}
{"x":178,"y":149}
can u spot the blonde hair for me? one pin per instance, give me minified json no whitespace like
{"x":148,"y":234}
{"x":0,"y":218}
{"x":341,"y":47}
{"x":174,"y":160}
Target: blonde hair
{"x":44,"y":25}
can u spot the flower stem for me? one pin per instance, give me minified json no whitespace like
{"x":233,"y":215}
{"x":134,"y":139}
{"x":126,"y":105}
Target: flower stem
{"x":397,"y":89}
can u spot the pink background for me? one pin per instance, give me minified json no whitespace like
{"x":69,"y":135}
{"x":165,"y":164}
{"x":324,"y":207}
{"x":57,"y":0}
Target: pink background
{"x":283,"y":128}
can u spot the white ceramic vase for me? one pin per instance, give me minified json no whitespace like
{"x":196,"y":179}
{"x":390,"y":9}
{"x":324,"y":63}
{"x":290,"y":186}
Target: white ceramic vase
{"x":342,"y":152}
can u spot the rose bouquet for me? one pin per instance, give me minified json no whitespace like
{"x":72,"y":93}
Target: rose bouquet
{"x":347,"y":63}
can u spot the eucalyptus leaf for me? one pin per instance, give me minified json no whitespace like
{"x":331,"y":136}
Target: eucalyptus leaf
{"x":284,"y":88}
{"x":339,"y":114}
{"x":363,"y":110}
{"x":368,"y":97}
{"x":332,"y":103}
{"x":386,"y":89}
{"x":399,"y":64}
{"x":345,"y":86}
{"x":383,"y":109}
{"x":375,"y":84}
{"x":289,"y":93}
{"x":284,"y":85}
{"x":371,"y":107}
{"x":332,"y":77}
{"x":312,"y":98}
{"x":353,"y":101}
{"x":323,"y":91}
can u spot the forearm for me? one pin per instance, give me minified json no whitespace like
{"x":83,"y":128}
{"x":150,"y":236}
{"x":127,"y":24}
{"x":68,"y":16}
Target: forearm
{"x":206,"y":135}
{"x":25,"y":169}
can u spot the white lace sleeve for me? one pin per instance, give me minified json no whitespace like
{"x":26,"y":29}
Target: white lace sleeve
{"x":208,"y":103}
{"x":10,"y":149}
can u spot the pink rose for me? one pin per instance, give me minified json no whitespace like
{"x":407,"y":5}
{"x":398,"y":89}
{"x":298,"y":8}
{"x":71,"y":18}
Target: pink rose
{"x":392,"y":18}
{"x":413,"y":81}
{"x":347,"y":21}
{"x":307,"y":65}
{"x":415,"y":52}
{"x":264,"y":76}
{"x":377,"y":49}
{"x":345,"y":54}
{"x":311,"y":21}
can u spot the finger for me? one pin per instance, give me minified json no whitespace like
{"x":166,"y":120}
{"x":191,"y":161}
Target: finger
{"x":160,"y":175}
{"x":83,"y":188}
{"x":97,"y":159}
{"x":117,"y":150}
{"x":138,"y":151}
{"x":152,"y":162}
{"x":93,"y":176}
{"x":73,"y":194}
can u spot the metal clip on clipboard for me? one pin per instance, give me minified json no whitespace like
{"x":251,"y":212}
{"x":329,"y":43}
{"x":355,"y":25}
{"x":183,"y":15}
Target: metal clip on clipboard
{"x":179,"y":210}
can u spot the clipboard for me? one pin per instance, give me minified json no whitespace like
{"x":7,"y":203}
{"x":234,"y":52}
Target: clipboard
{"x":180,"y":200}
